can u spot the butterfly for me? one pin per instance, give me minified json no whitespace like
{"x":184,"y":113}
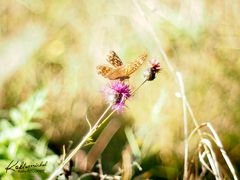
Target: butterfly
{"x":119,"y":71}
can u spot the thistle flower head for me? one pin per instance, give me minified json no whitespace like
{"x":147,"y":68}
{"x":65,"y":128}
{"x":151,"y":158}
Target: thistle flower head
{"x":155,"y":65}
{"x":117,"y":93}
{"x":150,"y":73}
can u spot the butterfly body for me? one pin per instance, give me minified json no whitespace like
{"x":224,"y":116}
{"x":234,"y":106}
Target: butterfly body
{"x":119,"y":71}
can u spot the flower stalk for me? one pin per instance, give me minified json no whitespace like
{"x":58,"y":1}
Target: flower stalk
{"x":81,"y":143}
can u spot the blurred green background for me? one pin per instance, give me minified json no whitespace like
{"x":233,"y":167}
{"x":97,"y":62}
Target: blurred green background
{"x":56,"y":46}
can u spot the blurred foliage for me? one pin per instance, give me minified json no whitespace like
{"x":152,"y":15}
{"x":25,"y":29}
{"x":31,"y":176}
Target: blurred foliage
{"x":18,"y":144}
{"x":58,"y":44}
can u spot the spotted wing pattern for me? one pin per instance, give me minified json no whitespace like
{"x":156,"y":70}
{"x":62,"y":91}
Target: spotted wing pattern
{"x":130,"y":68}
{"x":114,"y":59}
{"x":104,"y":70}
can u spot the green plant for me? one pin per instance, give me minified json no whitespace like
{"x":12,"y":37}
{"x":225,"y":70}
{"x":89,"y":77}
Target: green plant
{"x":18,"y":144}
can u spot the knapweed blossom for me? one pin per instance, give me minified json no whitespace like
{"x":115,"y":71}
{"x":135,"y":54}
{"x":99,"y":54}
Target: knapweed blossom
{"x":116,"y":94}
{"x":150,"y":73}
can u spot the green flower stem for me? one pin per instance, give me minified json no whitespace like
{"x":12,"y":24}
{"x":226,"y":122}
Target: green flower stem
{"x":90,"y":132}
{"x":139,"y":86}
{"x":106,"y":119}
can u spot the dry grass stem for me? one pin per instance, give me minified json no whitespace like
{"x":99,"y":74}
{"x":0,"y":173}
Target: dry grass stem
{"x":185,"y":124}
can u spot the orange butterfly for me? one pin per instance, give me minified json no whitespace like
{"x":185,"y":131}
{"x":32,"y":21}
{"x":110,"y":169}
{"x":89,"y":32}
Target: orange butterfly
{"x":119,"y":71}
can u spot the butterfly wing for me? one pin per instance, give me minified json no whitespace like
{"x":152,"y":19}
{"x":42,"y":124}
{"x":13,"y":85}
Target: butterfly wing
{"x":128,"y":69}
{"x":114,"y":59}
{"x":104,"y":70}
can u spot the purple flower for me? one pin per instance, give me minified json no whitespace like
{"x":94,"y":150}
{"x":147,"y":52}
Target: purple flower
{"x":155,"y":65}
{"x":117,"y":93}
{"x":150,"y":73}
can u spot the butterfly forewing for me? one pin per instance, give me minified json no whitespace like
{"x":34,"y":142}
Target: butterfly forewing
{"x":130,"y":68}
{"x":114,"y":59}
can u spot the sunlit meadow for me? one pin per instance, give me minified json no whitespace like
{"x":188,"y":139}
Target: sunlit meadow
{"x":182,"y":125}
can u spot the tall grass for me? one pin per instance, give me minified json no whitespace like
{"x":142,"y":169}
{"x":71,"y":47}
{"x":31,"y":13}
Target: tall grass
{"x":208,"y":149}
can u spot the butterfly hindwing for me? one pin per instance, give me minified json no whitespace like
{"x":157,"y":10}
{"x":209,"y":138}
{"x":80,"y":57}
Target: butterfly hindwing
{"x":114,"y":59}
{"x":104,"y":70}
